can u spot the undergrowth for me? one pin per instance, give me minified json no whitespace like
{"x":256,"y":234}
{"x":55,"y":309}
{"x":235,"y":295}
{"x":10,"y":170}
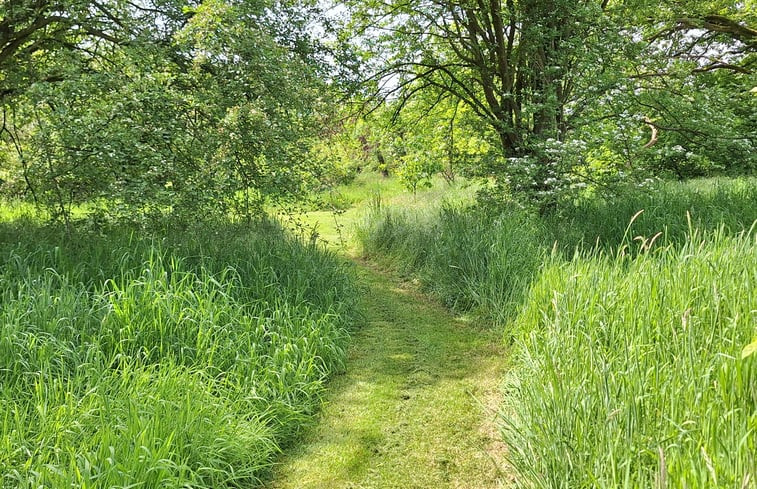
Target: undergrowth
{"x":629,"y":371}
{"x":183,"y":359}
{"x":628,"y":316}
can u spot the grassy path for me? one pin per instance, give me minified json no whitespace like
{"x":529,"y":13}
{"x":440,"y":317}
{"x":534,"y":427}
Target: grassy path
{"x":415,"y":408}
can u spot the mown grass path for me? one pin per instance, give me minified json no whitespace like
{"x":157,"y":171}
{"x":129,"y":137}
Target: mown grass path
{"x":416,"y":406}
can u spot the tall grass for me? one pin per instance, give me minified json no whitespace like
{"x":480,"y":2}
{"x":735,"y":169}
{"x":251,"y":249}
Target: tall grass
{"x":472,"y":259}
{"x":469,"y":261}
{"x":668,"y":208}
{"x":626,"y":330}
{"x":184,"y":360}
{"x":629,"y":371}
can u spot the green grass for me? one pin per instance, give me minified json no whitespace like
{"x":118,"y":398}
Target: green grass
{"x":185,"y":359}
{"x":473,"y":259}
{"x":189,"y":358}
{"x":629,"y":370}
{"x":470,"y":261}
{"x":669,"y":208}
{"x":361,"y":189}
{"x":415,"y":406}
{"x":341,"y":209}
{"x":627,"y":330}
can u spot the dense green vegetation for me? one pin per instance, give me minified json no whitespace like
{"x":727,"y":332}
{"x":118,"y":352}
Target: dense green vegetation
{"x":630,"y":371}
{"x":182,"y":360}
{"x":145,"y":109}
{"x":547,"y":96}
{"x":628,"y":328}
{"x":476,"y":258}
{"x":157,"y":329}
{"x":187,"y":107}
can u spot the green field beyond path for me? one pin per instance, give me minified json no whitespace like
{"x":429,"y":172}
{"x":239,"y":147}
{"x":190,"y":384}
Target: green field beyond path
{"x":416,"y":406}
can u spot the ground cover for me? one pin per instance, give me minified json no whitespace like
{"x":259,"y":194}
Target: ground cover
{"x":416,"y":406}
{"x":336,"y":213}
{"x":628,"y":328}
{"x":192,"y":357}
{"x":183,"y":359}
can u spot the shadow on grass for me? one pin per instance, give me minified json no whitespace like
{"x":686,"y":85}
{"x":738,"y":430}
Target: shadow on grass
{"x":408,"y":400}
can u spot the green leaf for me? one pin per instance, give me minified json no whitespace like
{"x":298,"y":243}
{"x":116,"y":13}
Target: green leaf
{"x":750,"y":349}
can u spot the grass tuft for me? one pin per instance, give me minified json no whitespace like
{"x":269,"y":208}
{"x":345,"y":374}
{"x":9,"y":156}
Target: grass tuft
{"x":186,"y":359}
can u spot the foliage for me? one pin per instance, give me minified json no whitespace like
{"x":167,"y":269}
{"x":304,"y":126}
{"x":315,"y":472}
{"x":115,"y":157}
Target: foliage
{"x":467,"y":256}
{"x":444,"y":138}
{"x":651,"y":347}
{"x":638,"y":319}
{"x":186,"y":359}
{"x":162,"y":107}
{"x":408,"y":140}
{"x":194,"y":112}
{"x":568,"y":92}
{"x":468,"y":261}
{"x":669,"y":208}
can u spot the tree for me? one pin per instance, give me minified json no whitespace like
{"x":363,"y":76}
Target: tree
{"x":521,"y":66}
{"x":683,"y":106}
{"x":554,"y":80}
{"x":33,"y":33}
{"x":191,"y":110}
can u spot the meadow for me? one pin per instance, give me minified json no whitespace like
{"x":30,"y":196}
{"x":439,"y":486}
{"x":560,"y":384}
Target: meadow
{"x":192,"y":357}
{"x":179,"y":358}
{"x":627,"y":318}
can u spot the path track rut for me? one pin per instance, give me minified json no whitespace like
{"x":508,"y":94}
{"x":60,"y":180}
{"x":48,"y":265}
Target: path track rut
{"x":416,"y":406}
